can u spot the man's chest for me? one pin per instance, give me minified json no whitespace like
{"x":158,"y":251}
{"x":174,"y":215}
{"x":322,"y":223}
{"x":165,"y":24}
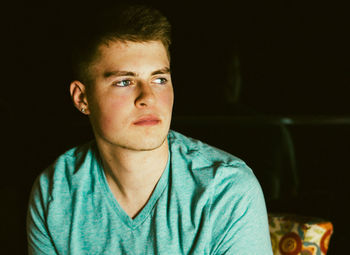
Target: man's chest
{"x":99,"y":228}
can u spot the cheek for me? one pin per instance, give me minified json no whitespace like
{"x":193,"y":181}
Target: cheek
{"x":116,"y":104}
{"x":167,"y":99}
{"x":111,"y":113}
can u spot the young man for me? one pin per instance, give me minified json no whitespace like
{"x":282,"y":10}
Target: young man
{"x":139,"y":188}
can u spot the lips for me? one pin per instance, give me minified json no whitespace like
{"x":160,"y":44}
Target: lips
{"x":148,"y":120}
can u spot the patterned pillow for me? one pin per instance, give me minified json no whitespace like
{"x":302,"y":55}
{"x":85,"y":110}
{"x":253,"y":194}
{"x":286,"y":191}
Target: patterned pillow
{"x":294,"y":235}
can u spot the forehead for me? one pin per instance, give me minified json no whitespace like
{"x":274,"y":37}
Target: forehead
{"x":131,"y":55}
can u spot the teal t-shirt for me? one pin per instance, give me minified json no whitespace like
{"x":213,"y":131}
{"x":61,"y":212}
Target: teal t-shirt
{"x":206,"y":202}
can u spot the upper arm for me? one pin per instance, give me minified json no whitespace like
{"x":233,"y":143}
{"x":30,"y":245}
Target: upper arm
{"x":239,"y":217}
{"x":38,"y":237}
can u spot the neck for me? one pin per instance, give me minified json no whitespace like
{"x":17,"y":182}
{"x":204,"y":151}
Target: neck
{"x":132,"y":175}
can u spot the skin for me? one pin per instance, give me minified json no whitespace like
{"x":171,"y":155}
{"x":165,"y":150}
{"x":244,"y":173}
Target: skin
{"x":129,"y":103}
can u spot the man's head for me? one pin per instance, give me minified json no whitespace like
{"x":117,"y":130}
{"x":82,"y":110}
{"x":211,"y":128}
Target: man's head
{"x":125,"y":85}
{"x":121,"y":23}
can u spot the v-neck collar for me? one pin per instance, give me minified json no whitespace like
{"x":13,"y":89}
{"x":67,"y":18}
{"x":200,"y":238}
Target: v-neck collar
{"x":147,"y":209}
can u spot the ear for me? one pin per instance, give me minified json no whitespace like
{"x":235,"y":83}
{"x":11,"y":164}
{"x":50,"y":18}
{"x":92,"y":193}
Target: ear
{"x":79,"y":97}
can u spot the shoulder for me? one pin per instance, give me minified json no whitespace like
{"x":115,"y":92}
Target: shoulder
{"x":60,"y":177}
{"x":220,"y":168}
{"x":205,"y":152}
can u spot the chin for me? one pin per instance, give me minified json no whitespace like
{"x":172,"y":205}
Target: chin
{"x":139,"y":139}
{"x":149,"y":139}
{"x":142,"y":141}
{"x":145,"y":144}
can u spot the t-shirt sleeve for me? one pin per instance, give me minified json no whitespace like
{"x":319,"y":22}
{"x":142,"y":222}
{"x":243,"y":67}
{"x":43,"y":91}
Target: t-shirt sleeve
{"x":38,"y":237}
{"x":238,"y":215}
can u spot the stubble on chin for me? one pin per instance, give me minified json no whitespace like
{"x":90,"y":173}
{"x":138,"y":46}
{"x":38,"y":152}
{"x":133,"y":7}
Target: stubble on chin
{"x":152,"y":147}
{"x":144,"y":145}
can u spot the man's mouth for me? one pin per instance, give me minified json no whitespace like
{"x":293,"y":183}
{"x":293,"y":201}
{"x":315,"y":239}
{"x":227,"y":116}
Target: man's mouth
{"x":148,"y":120}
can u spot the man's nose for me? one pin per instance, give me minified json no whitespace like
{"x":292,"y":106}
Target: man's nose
{"x":145,"y":96}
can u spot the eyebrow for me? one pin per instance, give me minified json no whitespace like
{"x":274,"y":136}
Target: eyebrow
{"x":117,"y":73}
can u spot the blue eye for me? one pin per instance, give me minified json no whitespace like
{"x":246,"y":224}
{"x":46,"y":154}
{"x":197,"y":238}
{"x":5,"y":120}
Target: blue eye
{"x":123,"y":83}
{"x":160,"y":80}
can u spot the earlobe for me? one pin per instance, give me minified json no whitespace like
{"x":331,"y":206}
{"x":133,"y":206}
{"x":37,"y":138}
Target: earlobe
{"x":78,"y":95}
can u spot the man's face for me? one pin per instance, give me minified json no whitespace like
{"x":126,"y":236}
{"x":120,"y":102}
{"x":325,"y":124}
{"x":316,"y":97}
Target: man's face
{"x":131,"y":97}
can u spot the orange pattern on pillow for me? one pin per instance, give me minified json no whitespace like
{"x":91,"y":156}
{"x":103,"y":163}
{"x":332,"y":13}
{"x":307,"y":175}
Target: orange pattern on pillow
{"x":294,"y":235}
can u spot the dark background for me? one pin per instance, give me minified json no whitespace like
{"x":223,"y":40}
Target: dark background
{"x":244,"y":74}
